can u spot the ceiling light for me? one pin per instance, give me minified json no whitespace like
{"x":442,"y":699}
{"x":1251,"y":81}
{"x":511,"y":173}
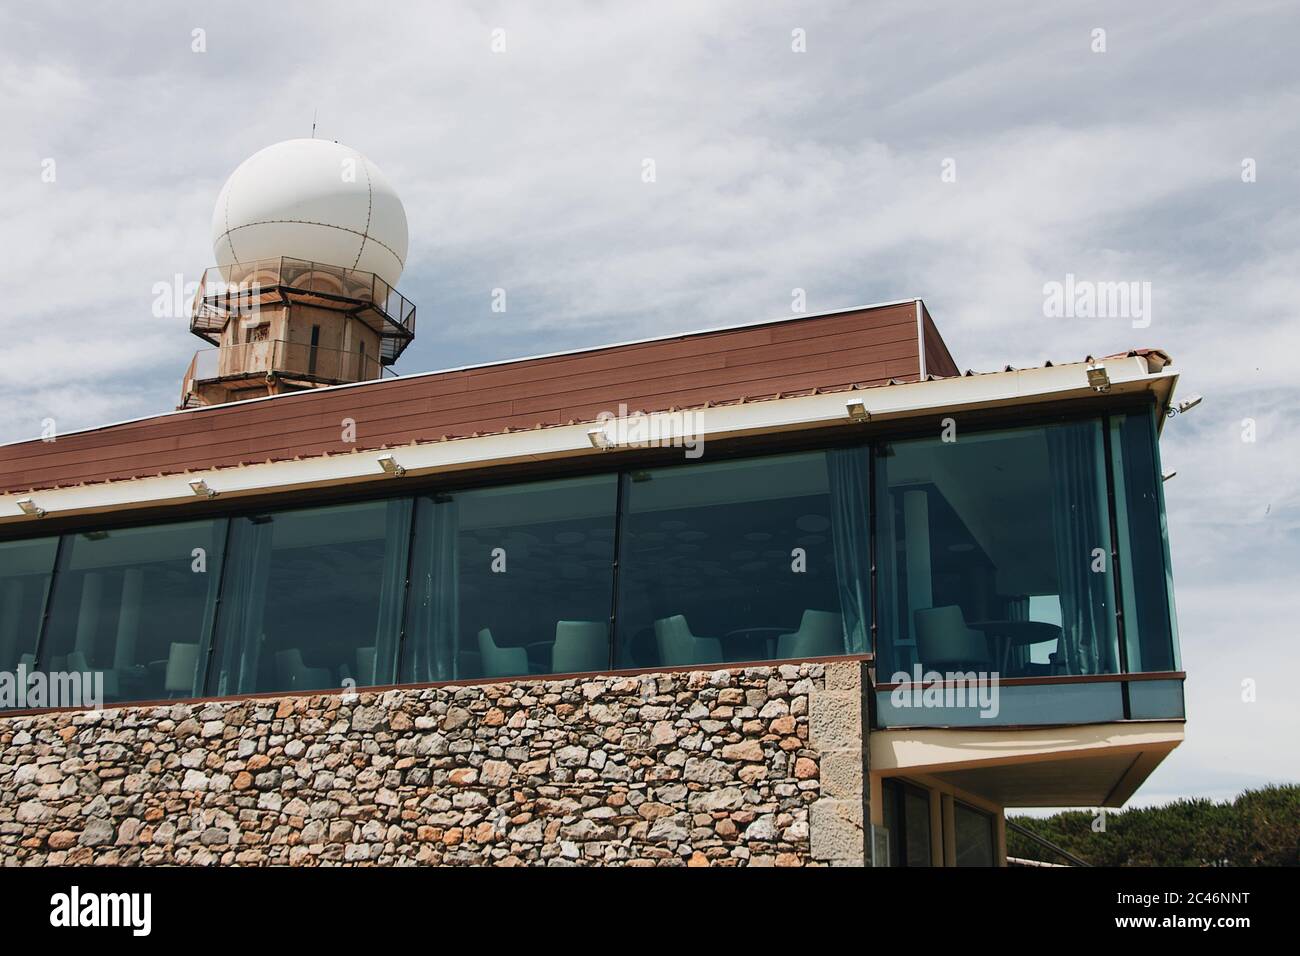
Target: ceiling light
{"x":30,"y":507}
{"x":1098,"y":379}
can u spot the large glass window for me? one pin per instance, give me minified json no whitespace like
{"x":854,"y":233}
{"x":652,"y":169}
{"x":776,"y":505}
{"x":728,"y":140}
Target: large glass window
{"x":25,"y":569}
{"x":994,"y":553}
{"x":1144,"y":566}
{"x":136,"y":604}
{"x":758,"y":559}
{"x":512,"y":580}
{"x":313,"y":598}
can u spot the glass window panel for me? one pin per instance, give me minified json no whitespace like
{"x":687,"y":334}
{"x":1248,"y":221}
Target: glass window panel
{"x":313,"y":598}
{"x":1156,"y":700}
{"x":916,"y":811}
{"x":1144,"y":558}
{"x":994,"y":553}
{"x":907,"y":819}
{"x":25,"y":569}
{"x":973,"y":836}
{"x":512,"y":580}
{"x":136,"y":604}
{"x":757,"y":559}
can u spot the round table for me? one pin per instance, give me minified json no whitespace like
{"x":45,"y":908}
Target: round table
{"x":768,"y":634}
{"x":1011,"y":634}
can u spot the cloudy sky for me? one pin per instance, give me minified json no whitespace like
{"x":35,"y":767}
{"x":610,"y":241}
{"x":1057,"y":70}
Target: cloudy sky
{"x":775,"y":169}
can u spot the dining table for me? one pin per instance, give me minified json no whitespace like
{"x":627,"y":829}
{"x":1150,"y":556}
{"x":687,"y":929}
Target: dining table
{"x":1008,"y":634}
{"x":750,"y":636}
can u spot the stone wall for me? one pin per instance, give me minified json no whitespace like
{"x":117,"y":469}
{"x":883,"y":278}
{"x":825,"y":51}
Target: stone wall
{"x":747,"y":766}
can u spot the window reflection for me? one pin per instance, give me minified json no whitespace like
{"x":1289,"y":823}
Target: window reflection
{"x":312,"y":598}
{"x":973,"y":836}
{"x":995,"y":552}
{"x":512,"y":580}
{"x":1144,"y":566}
{"x":25,"y":571}
{"x":744,"y":560}
{"x":906,"y":813}
{"x":136,"y":605}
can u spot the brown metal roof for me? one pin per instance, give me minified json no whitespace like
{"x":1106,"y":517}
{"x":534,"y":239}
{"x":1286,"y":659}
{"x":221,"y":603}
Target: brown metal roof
{"x":856,"y":348}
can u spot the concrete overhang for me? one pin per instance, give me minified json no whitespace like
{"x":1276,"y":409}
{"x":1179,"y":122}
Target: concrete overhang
{"x":1090,"y":765}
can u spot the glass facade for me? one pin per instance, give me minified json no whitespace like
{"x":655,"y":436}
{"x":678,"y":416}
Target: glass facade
{"x":992,"y":552}
{"x":136,"y":604}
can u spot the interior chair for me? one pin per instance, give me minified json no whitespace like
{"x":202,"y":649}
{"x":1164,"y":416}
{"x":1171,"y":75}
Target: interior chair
{"x":820,"y":634}
{"x":677,"y":645}
{"x":293,"y":674}
{"x":943,"y":639}
{"x":580,"y":646}
{"x":182,"y":662}
{"x":500,"y":661}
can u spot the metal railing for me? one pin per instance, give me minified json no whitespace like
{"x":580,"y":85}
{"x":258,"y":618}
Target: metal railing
{"x":1045,"y":843}
{"x":242,"y":288}
{"x":289,"y":360}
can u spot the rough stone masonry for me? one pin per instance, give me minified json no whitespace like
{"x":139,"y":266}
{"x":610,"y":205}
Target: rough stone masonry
{"x":742,"y":766}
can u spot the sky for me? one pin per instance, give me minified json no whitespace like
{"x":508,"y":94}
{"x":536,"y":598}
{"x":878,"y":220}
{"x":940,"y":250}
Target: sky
{"x":969,"y":154}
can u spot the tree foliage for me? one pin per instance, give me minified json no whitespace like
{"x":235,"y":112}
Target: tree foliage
{"x":1258,"y":828}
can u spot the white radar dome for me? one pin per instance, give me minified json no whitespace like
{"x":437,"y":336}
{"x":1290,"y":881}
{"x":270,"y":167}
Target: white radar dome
{"x":311,"y":199}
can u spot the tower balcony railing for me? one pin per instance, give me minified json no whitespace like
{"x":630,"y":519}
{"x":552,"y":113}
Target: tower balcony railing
{"x":242,"y":288}
{"x":290,"y":361}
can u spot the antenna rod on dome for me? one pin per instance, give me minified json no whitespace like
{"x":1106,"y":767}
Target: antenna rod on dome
{"x":313,"y":122}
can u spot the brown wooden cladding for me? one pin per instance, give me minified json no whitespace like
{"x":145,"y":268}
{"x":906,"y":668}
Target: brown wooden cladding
{"x":938,"y":360}
{"x":862,"y":347}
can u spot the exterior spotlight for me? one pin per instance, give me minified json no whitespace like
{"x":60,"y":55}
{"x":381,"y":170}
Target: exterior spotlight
{"x":1167,"y":475}
{"x":1191,"y":403}
{"x":30,"y":507}
{"x":857,"y":410}
{"x":200,"y":487}
{"x":599,"y":439}
{"x":1098,"y":379}
{"x":390,"y":466}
